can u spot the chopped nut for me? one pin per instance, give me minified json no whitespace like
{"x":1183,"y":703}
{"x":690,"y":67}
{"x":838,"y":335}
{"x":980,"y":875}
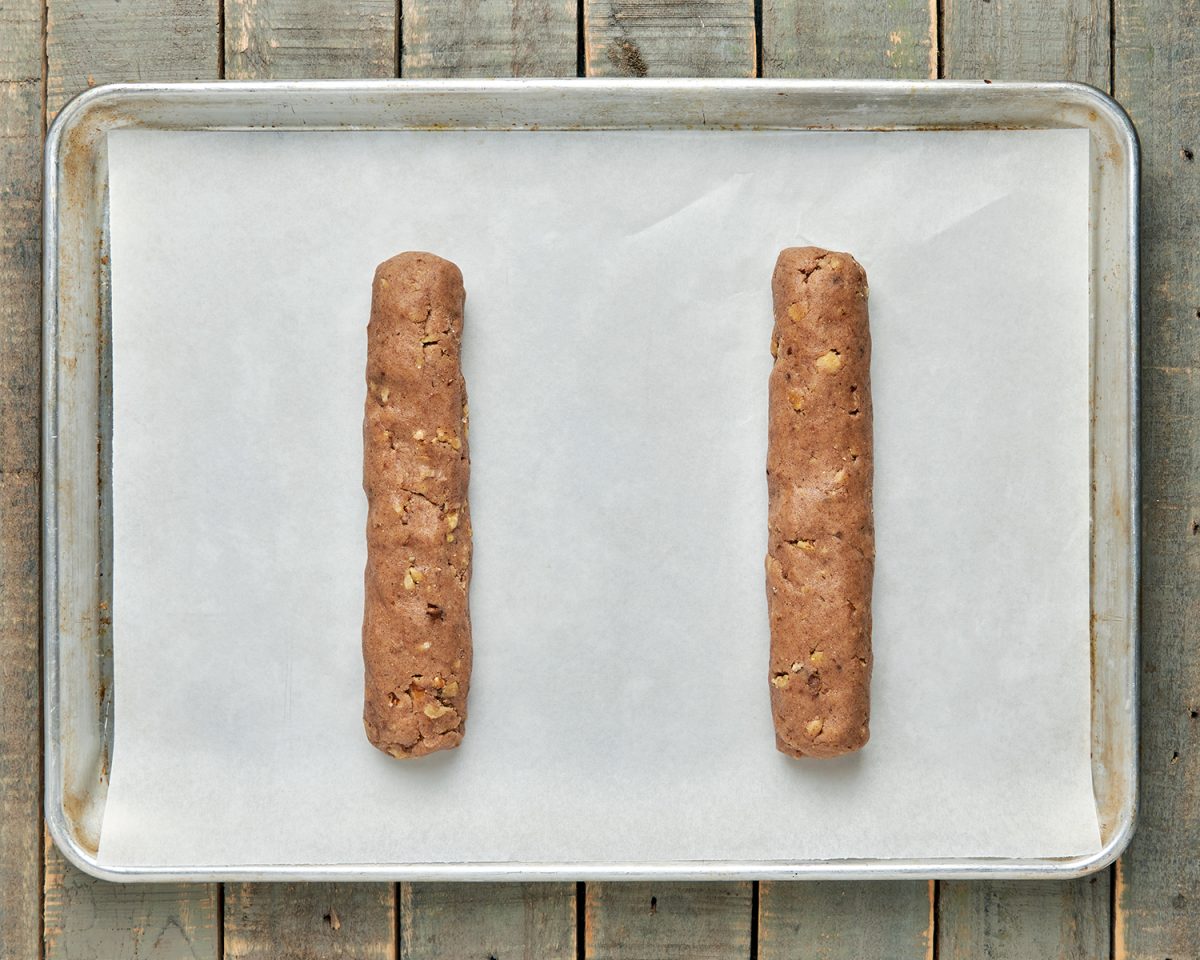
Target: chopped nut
{"x":797,"y":311}
{"x":416,"y":574}
{"x":452,"y":520}
{"x":384,"y":394}
{"x":449,"y":538}
{"x":805,"y":544}
{"x":424,"y":646}
{"x":816,"y":657}
{"x":445,"y":436}
{"x":812,"y":728}
{"x":797,"y":666}
{"x":435,"y":709}
{"x":450,"y":689}
{"x":418,"y":434}
{"x":775,"y":348}
{"x":426,"y":341}
{"x":397,"y":504}
{"x":796,"y":399}
{"x":832,"y":262}
{"x":839,"y":477}
{"x":409,"y":582}
{"x":830,"y":362}
{"x":780,"y":680}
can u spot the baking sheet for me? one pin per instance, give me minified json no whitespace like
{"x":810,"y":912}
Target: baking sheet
{"x":616,"y":353}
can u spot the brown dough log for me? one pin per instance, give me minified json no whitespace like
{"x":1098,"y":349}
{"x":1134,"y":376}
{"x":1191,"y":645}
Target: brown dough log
{"x":821,"y":552}
{"x":416,"y":624}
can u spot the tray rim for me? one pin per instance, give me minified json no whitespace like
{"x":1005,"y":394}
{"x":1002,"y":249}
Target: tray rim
{"x":1103,"y":111}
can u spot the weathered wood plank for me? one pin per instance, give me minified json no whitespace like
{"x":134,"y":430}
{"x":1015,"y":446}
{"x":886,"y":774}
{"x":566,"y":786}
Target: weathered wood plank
{"x":21,"y":40}
{"x":849,"y":39}
{"x":310,"y":921}
{"x":90,"y":920}
{"x":21,"y":117}
{"x":489,"y":38}
{"x":99,"y":41}
{"x":845,"y":921}
{"x":94,"y":41}
{"x":1158,"y":879}
{"x":1023,"y":919}
{"x":1027,"y":40}
{"x":469,"y":921}
{"x":843,"y":38}
{"x":669,"y":38}
{"x":697,"y":921}
{"x":292,"y":39}
{"x":272,"y":39}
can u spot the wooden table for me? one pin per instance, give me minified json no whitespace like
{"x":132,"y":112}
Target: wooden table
{"x":1147,"y":51}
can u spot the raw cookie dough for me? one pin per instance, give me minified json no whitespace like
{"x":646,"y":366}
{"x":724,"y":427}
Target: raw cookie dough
{"x":416,"y":625}
{"x":821,"y":548}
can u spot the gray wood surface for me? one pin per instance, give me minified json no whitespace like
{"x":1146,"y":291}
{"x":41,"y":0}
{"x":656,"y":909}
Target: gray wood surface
{"x":669,"y":38}
{"x":1158,"y":80}
{"x":89,"y":920}
{"x":293,"y":39}
{"x":1024,"y":919}
{"x":1027,"y":40}
{"x":489,"y":38}
{"x":21,"y":116}
{"x":846,"y":921}
{"x":849,"y":39}
{"x":310,"y":921}
{"x":650,"y":38}
{"x":89,"y":42}
{"x":664,"y":921}
{"x":94,"y":41}
{"x":1157,"y":43}
{"x":473,"y":921}
{"x":272,"y":39}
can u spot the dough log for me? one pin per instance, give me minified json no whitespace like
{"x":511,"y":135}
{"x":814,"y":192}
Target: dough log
{"x":416,"y":624}
{"x":821,"y":548}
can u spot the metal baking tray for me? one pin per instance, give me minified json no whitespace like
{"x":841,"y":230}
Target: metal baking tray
{"x":77,"y":507}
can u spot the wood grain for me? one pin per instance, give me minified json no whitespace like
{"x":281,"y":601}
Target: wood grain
{"x":89,"y":42}
{"x":293,"y":39}
{"x":21,"y":117}
{"x":669,"y":38}
{"x":472,"y":921}
{"x":94,"y":41}
{"x":1158,"y":880}
{"x":1024,"y":919}
{"x":1027,"y":40}
{"x":697,"y":921}
{"x":310,"y":921}
{"x":90,"y":920}
{"x":489,"y":38}
{"x":849,"y":39}
{"x":844,"y":38}
{"x":271,"y":39}
{"x":846,"y":921}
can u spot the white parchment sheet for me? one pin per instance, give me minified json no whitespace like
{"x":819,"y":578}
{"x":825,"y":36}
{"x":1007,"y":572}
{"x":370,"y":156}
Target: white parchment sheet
{"x":616,"y":352}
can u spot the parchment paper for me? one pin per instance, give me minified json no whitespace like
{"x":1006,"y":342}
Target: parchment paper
{"x":616,"y":351}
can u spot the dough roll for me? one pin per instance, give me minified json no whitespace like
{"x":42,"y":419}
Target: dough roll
{"x":416,"y":623}
{"x":821,"y":548}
